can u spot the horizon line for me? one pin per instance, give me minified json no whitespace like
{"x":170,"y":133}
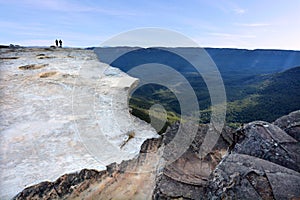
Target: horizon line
{"x":128,"y":46}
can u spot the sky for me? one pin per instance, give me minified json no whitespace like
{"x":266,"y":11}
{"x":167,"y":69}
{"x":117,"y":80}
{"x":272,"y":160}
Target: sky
{"x":251,"y":24}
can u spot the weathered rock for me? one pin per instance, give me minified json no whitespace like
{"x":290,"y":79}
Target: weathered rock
{"x":62,"y":110}
{"x":64,"y":185}
{"x":132,"y":179}
{"x":242,"y":176}
{"x":187,"y":177}
{"x":290,"y":124}
{"x":269,"y":142}
{"x":264,"y":164}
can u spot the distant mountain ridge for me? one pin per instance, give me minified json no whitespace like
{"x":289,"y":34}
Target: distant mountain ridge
{"x":233,"y":64}
{"x":254,"y":61}
{"x":255,"y":80}
{"x":226,"y":59}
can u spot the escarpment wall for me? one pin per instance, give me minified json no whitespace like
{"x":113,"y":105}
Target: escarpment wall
{"x":61,"y":110}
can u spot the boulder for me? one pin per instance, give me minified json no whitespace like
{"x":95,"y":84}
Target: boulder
{"x":290,"y":124}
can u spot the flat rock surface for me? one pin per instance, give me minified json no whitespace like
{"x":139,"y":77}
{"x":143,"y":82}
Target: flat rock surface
{"x":61,"y":110}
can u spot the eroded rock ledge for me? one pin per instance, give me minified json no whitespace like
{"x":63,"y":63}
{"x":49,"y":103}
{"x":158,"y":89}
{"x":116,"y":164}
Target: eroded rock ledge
{"x":263,"y":163}
{"x":61,"y":110}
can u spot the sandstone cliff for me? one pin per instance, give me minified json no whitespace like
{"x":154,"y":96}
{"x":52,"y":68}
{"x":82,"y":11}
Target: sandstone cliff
{"x":61,"y":110}
{"x":262,"y":163}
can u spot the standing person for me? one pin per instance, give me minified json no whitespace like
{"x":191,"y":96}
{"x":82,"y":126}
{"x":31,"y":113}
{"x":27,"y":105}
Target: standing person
{"x":60,"y":43}
{"x":56,"y":42}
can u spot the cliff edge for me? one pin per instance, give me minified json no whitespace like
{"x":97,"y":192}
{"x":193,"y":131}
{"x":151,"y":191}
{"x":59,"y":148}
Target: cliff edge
{"x":257,"y":161}
{"x":62,"y":110}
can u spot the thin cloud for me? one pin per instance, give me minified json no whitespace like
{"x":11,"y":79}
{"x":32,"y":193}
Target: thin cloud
{"x":239,"y":11}
{"x":68,"y":6}
{"x":198,"y":24}
{"x":230,"y":35}
{"x":19,"y":27}
{"x":252,"y":24}
{"x":227,"y":7}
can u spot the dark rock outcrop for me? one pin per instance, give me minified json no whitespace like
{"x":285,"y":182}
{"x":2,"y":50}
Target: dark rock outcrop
{"x":64,"y":185}
{"x":290,"y":124}
{"x":263,"y":165}
{"x":269,"y":142}
{"x":258,"y":161}
{"x":242,"y":176}
{"x":187,"y":177}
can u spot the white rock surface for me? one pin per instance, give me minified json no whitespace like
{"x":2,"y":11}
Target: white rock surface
{"x":76,"y":118}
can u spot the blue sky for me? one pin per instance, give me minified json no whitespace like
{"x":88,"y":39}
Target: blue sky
{"x":221,"y":23}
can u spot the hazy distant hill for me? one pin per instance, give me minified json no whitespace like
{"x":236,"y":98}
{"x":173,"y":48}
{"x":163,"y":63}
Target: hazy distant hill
{"x":254,"y":61}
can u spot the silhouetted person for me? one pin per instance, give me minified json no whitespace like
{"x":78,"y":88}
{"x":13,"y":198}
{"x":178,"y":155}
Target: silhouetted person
{"x":56,"y":42}
{"x":60,"y":43}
